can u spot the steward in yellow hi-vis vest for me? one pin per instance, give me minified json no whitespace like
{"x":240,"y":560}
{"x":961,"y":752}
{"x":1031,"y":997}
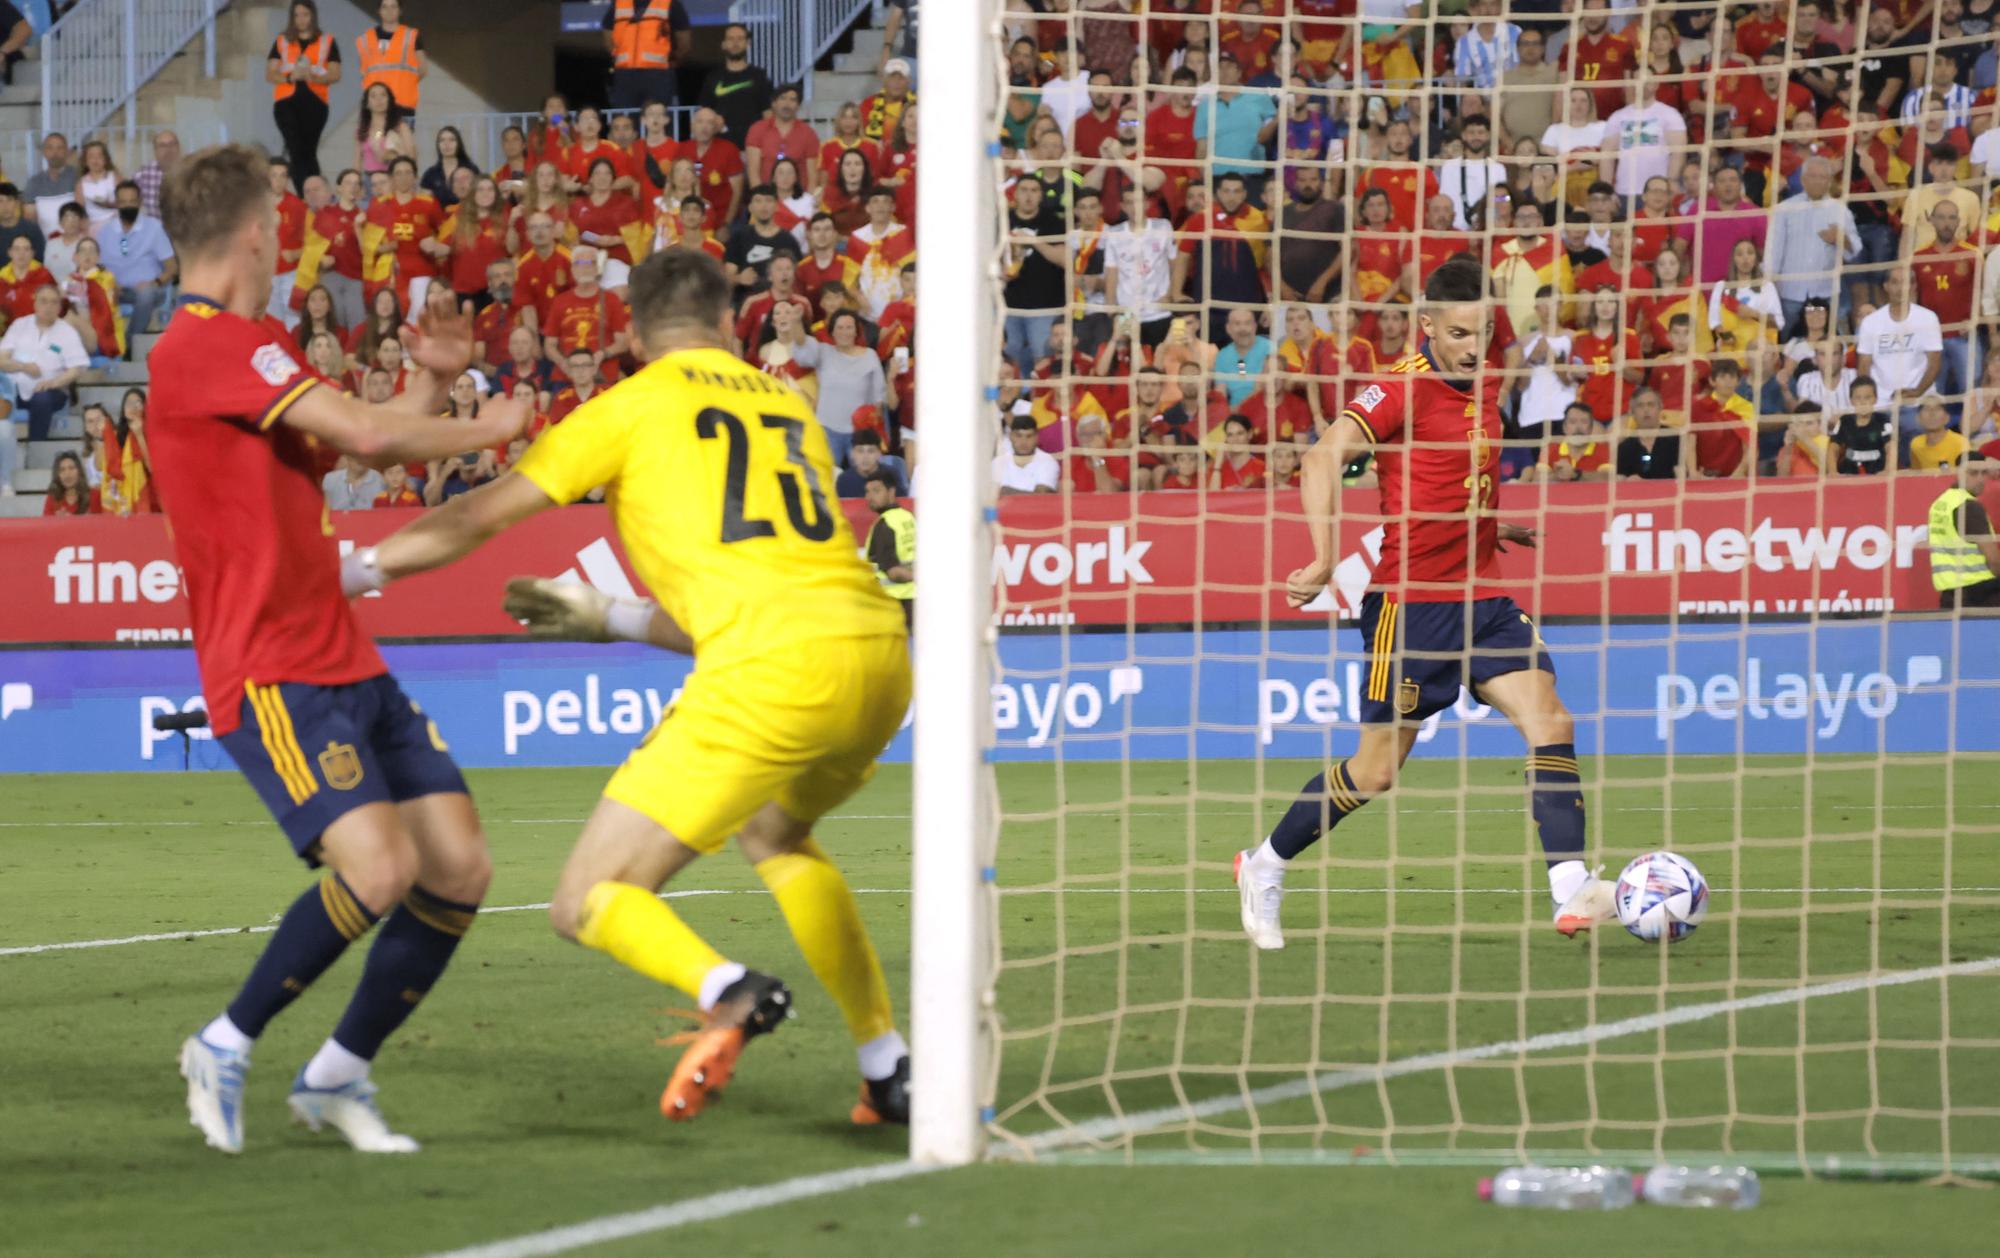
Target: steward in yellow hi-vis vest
{"x":1965,"y":554}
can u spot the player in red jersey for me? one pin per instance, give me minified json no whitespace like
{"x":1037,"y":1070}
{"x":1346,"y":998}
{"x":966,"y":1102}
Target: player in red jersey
{"x":1435,"y":618}
{"x":356,"y":776}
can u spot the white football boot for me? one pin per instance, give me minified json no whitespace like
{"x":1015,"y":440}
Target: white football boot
{"x":1260,"y":893}
{"x":215,"y":1091}
{"x":349,"y":1110}
{"x":1588,"y":909}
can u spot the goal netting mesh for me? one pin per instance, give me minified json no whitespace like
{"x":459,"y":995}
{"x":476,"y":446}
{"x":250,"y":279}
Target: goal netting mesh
{"x":1759,"y":672}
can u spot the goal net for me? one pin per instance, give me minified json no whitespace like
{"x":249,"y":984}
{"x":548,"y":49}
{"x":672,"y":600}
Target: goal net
{"x":1664,"y":198}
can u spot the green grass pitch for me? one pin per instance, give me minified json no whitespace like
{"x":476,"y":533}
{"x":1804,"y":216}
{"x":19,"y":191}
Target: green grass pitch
{"x":1420,"y":929}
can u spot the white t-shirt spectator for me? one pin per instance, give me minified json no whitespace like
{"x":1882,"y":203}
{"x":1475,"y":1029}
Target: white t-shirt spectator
{"x":343,"y":494}
{"x":1639,"y":136}
{"x":1467,"y":180}
{"x":1547,"y":394}
{"x":1067,"y":99}
{"x":1986,"y":154}
{"x":1897,"y":348}
{"x":54,"y":349}
{"x":1833,"y":402}
{"x":1042,"y":472}
{"x":1561,"y":137}
{"x":1760,"y":297}
{"x":1143,"y":263}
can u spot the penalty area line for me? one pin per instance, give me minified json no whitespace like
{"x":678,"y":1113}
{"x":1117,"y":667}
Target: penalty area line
{"x":737,"y":1201}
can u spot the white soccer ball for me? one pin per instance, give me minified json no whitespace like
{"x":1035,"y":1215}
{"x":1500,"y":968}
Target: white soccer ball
{"x":1661,"y":896}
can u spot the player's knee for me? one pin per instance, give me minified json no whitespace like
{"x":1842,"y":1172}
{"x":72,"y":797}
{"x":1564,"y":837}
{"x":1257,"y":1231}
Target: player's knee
{"x":385,"y":877}
{"x":566,"y":915}
{"x":1549,"y":728}
{"x":1371,"y":777}
{"x":466,"y":873}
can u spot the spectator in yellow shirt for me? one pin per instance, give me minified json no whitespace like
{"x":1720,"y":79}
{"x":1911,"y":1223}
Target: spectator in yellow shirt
{"x":1936,"y":445}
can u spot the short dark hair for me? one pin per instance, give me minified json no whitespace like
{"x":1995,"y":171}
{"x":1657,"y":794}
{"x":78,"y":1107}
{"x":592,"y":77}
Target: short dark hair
{"x":1232,"y":176}
{"x":605,"y":162}
{"x":884,"y":190}
{"x":1601,"y":188}
{"x":769,"y":190}
{"x":738,"y":26}
{"x":694,"y":199}
{"x":1864,"y":382}
{"x":1943,"y":151}
{"x":209,"y":195}
{"x":127,"y":183}
{"x":814,"y":221}
{"x":1680,"y":321}
{"x":866,"y":437}
{"x":402,"y":159}
{"x":72,"y":207}
{"x":1457,"y":280}
{"x":1243,"y":420}
{"x":1730,"y":367}
{"x":678,"y":286}
{"x":880,"y":476}
{"x":1023,"y":423}
{"x":1086,"y":194}
{"x":9,"y":190}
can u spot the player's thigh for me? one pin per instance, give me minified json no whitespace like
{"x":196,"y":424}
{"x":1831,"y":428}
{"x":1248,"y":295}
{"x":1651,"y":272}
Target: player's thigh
{"x":1527,"y":697}
{"x":703,"y":772}
{"x":306,"y":752}
{"x":618,"y":844}
{"x":853,"y":725}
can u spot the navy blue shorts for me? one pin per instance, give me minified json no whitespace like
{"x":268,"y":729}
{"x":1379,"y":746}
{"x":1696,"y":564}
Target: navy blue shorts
{"x":316,"y":753}
{"x":1418,"y":655}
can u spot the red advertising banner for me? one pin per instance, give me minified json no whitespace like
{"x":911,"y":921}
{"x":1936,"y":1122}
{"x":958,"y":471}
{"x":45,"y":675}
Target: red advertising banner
{"x":1627,"y":549}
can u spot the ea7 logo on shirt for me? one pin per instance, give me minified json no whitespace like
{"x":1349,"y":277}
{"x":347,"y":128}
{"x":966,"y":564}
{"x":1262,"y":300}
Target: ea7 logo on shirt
{"x":1370,"y":397}
{"x":274,"y":364}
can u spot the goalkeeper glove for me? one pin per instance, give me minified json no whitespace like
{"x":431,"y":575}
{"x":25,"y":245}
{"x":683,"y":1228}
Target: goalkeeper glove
{"x":577,"y":613}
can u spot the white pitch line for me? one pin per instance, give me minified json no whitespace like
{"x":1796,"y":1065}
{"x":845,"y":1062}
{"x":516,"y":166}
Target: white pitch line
{"x":1087,"y":810}
{"x":77,"y":945}
{"x":738,"y":1201}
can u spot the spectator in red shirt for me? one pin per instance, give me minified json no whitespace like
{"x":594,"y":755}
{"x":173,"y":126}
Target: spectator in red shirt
{"x":543,"y":272}
{"x":340,"y":270}
{"x":1254,"y":44}
{"x":324,"y":355}
{"x":384,"y":321}
{"x":69,"y":488}
{"x":655,"y":149}
{"x":1281,"y":470}
{"x":1093,"y":469}
{"x":543,"y":195}
{"x":782,"y":134}
{"x":846,"y":138}
{"x":477,"y":235}
{"x":1597,"y":54}
{"x":590,"y":148}
{"x":318,"y":317}
{"x":1236,"y":467}
{"x":1721,"y":437}
{"x":1946,"y":272}
{"x":505,"y":309}
{"x":21,"y":279}
{"x":756,"y":312}
{"x":1764,"y":27}
{"x":588,"y":319}
{"x":689,"y":231}
{"x":514,"y":168}
{"x":1402,"y":177}
{"x":583,"y":386}
{"x":846,"y":194}
{"x":897,"y":167}
{"x":409,"y":221}
{"x":92,"y":296}
{"x":718,"y":167}
{"x":824,"y":262}
{"x":603,"y":216}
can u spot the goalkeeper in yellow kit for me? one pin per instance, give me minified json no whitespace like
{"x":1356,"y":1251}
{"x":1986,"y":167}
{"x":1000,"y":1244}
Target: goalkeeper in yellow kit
{"x":719,"y":481}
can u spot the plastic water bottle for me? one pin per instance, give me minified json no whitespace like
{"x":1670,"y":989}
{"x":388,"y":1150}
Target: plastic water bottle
{"x":1709,"y":1187}
{"x":1560,"y":1188}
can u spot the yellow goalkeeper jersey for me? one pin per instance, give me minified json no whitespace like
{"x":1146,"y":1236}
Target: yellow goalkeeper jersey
{"x":721,"y":485}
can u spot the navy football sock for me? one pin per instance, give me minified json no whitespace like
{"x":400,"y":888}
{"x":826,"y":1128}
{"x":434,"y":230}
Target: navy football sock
{"x":315,"y":931}
{"x":414,"y":946}
{"x":1555,"y":796}
{"x":1319,"y":807}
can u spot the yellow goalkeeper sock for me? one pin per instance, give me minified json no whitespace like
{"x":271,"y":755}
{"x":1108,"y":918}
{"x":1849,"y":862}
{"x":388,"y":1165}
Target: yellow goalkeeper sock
{"x":635,"y":927}
{"x":820,"y":909}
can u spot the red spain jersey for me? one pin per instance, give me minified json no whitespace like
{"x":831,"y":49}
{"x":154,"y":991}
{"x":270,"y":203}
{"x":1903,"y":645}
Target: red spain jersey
{"x":1947,"y":281}
{"x":250,"y":526}
{"x":541,"y":280}
{"x":292,"y":216}
{"x":579,"y":322}
{"x":1437,"y":455}
{"x":409,"y":224}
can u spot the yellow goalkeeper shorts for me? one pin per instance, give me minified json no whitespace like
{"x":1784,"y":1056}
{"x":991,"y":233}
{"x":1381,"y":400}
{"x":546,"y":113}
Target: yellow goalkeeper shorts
{"x":800,"y":731}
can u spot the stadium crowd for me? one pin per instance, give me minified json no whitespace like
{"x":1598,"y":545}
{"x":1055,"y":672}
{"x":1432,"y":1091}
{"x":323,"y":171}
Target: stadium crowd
{"x":1724,"y":239}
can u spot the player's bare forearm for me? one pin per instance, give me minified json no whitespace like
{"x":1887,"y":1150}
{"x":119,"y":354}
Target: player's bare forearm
{"x":381,"y":435}
{"x":1319,"y":489}
{"x":459,"y":527}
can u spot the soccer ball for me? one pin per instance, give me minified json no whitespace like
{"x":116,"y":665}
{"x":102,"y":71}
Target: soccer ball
{"x":1661,"y":895}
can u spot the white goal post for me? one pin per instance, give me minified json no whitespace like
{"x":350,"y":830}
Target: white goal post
{"x":951,"y":965}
